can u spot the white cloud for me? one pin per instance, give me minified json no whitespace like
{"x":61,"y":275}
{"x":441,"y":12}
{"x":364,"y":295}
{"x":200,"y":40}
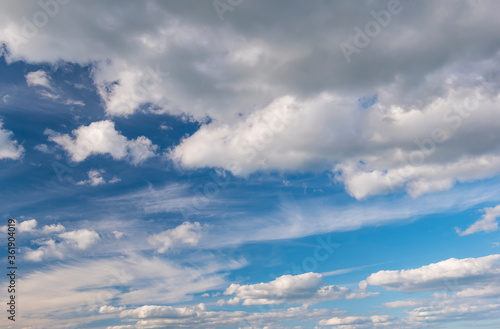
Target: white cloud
{"x":184,"y":234}
{"x":53,"y":228}
{"x":306,"y":288}
{"x":101,"y":137}
{"x":487,"y":223}
{"x":86,"y":285}
{"x":27,"y":225}
{"x":151,"y":316}
{"x":73,"y":102}
{"x":9,"y":148}
{"x":231,"y":75}
{"x":38,"y":78}
{"x":44,"y":148}
{"x":49,"y":249}
{"x":82,"y":239}
{"x":374,"y":320}
{"x":106,"y":309}
{"x":232,"y":302}
{"x":440,"y":276}
{"x":153,"y":311}
{"x":48,"y":95}
{"x":95,"y":178}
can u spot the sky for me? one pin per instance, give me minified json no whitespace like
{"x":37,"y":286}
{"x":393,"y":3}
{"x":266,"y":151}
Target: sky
{"x":251,"y":164}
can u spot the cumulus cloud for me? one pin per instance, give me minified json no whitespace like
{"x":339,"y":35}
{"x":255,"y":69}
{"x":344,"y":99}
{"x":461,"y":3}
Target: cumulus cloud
{"x":30,"y":226}
{"x":9,"y":148}
{"x":53,"y":228}
{"x":95,"y":178}
{"x":487,"y":223}
{"x":152,"y":316}
{"x":38,"y":78}
{"x":306,"y":287}
{"x":359,"y":321}
{"x":441,"y":275}
{"x":185,"y":234}
{"x":153,"y":311}
{"x":101,"y":137}
{"x":49,"y":249}
{"x":418,"y":132}
{"x":82,"y":239}
{"x":106,"y":309}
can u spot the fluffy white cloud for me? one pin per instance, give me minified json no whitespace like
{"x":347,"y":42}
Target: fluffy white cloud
{"x":101,"y":137}
{"x":49,"y":249}
{"x":28,"y":225}
{"x":307,"y":287}
{"x":95,"y":178}
{"x":9,"y":148}
{"x":194,"y":316}
{"x":106,"y":309}
{"x":237,"y":77}
{"x":87,"y":286}
{"x":82,"y":239}
{"x":38,"y":78}
{"x":153,"y":311}
{"x":443,"y":275}
{"x":24,"y":226}
{"x":354,"y":321}
{"x":184,"y":234}
{"x":487,"y":223}
{"x":53,"y":228}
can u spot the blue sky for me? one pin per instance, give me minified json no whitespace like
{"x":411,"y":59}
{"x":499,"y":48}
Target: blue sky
{"x":237,"y":164}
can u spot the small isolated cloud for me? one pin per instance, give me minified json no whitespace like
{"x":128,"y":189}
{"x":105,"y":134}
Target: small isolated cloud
{"x":184,"y":234}
{"x":73,"y":102}
{"x":6,"y":98}
{"x":53,"y":228}
{"x":437,"y":276}
{"x":27,"y":225}
{"x":49,"y":249}
{"x":81,"y":239}
{"x":106,"y":309}
{"x":101,"y":137}
{"x":354,"y":321}
{"x":44,"y":148}
{"x":307,"y":288}
{"x":95,"y":178}
{"x":232,"y":302}
{"x":118,"y":235}
{"x":49,"y":95}
{"x":9,"y":148}
{"x":165,"y":312}
{"x":38,"y":78}
{"x":487,"y":223}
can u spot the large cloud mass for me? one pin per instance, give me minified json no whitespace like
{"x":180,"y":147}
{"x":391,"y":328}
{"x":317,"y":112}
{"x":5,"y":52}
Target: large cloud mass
{"x":282,"y":95}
